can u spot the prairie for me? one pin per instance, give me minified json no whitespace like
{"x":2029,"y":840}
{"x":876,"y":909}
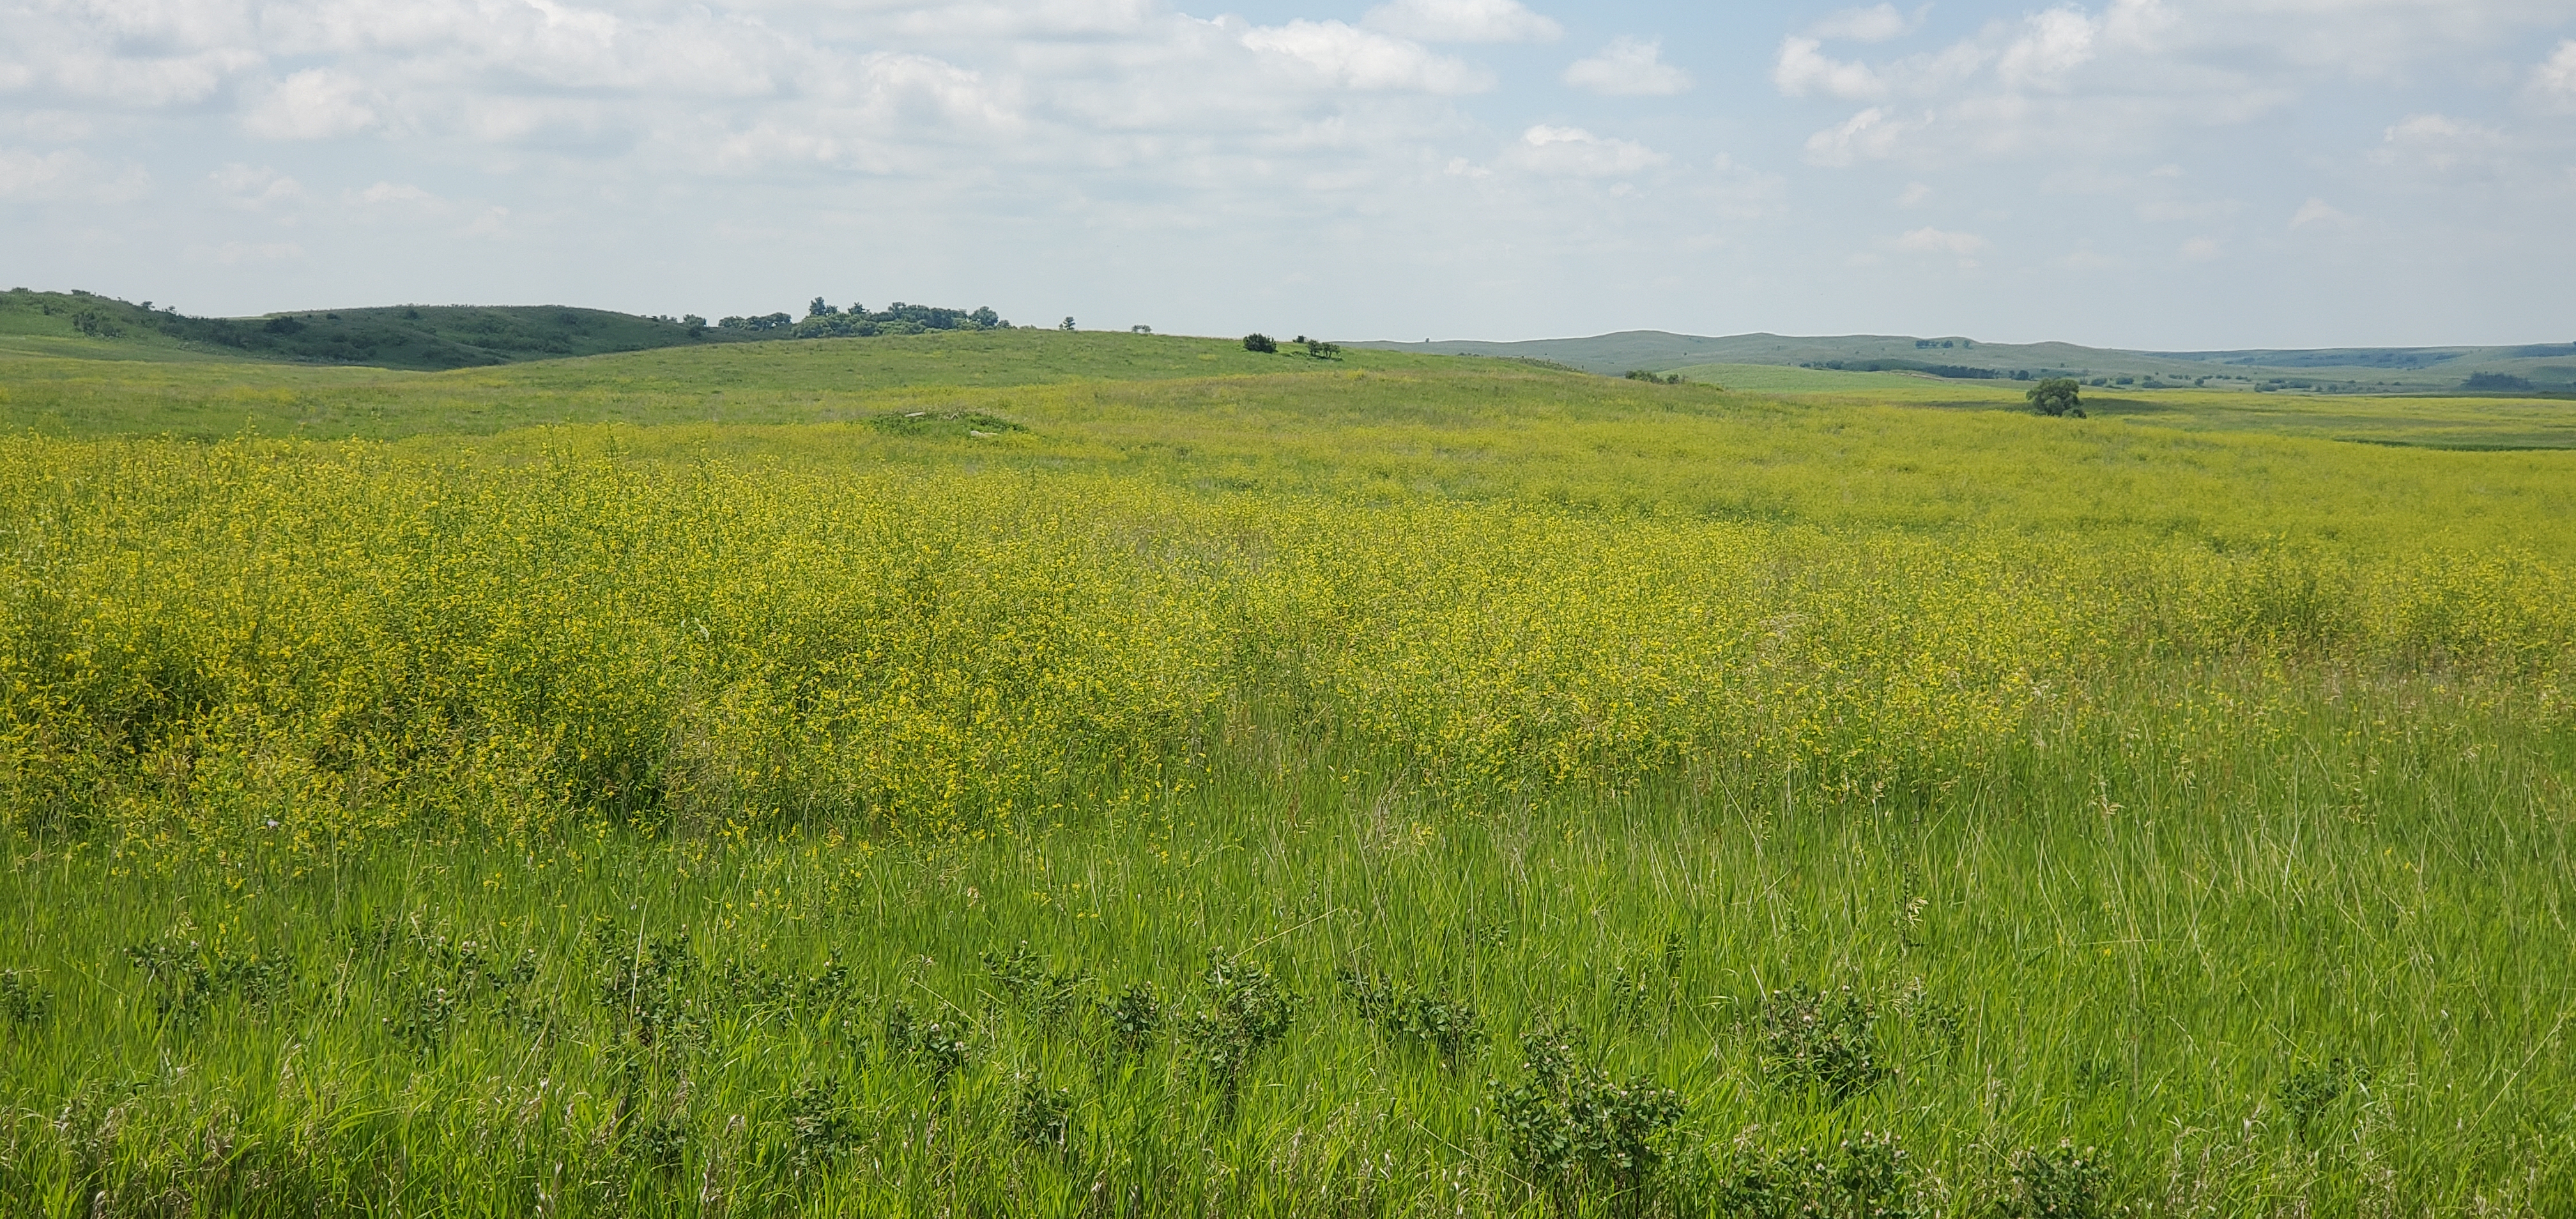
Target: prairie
{"x":1039,"y":773}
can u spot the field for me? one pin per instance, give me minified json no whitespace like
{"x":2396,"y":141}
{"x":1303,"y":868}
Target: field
{"x":1080,"y":774}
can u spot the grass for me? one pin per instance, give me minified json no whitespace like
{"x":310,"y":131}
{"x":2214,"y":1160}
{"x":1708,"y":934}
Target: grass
{"x":1119,"y":775}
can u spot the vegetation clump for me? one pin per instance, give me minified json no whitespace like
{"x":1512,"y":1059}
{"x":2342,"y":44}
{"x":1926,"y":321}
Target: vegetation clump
{"x":1573,"y":1129}
{"x":1821,"y":1040}
{"x":1243,"y":1011}
{"x":2060,"y":1182}
{"x":2058,"y":396}
{"x":1867,"y":1176}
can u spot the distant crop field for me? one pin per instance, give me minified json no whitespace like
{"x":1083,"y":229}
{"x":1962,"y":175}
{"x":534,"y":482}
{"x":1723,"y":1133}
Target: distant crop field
{"x":1034,"y":773}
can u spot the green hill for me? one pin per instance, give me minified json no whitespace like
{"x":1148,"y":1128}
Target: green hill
{"x":417,"y":337}
{"x":2547,"y":368}
{"x":394,"y":336}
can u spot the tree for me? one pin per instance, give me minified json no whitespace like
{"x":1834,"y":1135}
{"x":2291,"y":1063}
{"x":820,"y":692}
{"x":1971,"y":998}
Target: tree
{"x":1257,"y":341}
{"x":820,"y":309}
{"x":1140,"y":330}
{"x":2057,"y":396}
{"x":1068,"y":324}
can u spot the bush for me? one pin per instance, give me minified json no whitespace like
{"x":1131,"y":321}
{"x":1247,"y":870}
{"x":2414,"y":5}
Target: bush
{"x":1819,"y":1040}
{"x":1260,"y":342}
{"x":2059,"y":1183}
{"x":1571,"y":1126}
{"x":2057,"y":396}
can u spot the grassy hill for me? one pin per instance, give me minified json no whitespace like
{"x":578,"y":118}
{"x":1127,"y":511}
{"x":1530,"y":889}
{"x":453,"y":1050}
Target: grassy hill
{"x":1030,"y":773}
{"x":2543,"y":368}
{"x":398,"y":336}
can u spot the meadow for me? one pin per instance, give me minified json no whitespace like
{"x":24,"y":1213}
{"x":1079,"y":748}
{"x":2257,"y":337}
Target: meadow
{"x":1030,"y":773}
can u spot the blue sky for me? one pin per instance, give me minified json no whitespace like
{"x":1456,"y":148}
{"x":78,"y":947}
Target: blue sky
{"x":2144,"y":173}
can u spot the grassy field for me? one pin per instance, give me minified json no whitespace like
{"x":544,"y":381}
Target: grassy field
{"x":1025,"y":773}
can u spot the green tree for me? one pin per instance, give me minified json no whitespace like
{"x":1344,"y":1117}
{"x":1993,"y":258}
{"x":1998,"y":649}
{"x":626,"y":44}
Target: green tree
{"x":1068,"y":324}
{"x":2057,"y":396}
{"x":1260,"y":342}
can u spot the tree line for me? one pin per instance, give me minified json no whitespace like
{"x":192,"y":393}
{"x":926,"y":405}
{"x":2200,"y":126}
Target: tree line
{"x":824,"y":320}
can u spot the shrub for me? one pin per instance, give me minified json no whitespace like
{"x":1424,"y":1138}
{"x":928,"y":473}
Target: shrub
{"x":1867,"y":1177}
{"x":2058,"y":1183}
{"x":2057,"y":396}
{"x":1437,"y":1020}
{"x":1025,"y":983}
{"x":1262,"y":343}
{"x":22,"y":1001}
{"x":1574,"y":1129}
{"x":1245,"y":1011}
{"x":1135,"y":1016}
{"x":1812,"y":1039}
{"x":1040,"y":1116}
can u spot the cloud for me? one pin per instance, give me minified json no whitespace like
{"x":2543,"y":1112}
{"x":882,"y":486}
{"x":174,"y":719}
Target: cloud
{"x":254,"y":189}
{"x":315,"y":104}
{"x":1929,"y":240}
{"x":1741,"y":192}
{"x":2319,"y":212}
{"x":1629,"y":67}
{"x":384,"y":193}
{"x":1913,"y":195}
{"x":243,"y":253}
{"x":2056,"y":42}
{"x":1574,"y":152}
{"x":1359,"y":59}
{"x":1462,"y":21}
{"x":2554,"y":80}
{"x":1874,"y":24}
{"x":68,"y":175}
{"x":2201,"y":249}
{"x":2161,"y":211}
{"x":1873,"y":133}
{"x":2440,"y":144}
{"x":1800,"y":71}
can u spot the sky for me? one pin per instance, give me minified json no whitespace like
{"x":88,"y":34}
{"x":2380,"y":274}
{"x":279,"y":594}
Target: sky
{"x":2170,"y":174}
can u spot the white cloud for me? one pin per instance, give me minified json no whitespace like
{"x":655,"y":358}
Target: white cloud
{"x":1741,"y":192}
{"x":2319,"y":212}
{"x":1874,"y":24}
{"x":2201,"y":249}
{"x":1462,"y":21}
{"x":68,"y":174}
{"x":2160,"y":211}
{"x":1929,"y":240}
{"x":1574,"y":152}
{"x":1872,"y":134}
{"x":1360,"y":59}
{"x":254,"y":189}
{"x":2086,"y":260}
{"x":1800,"y":71}
{"x":1630,"y":67}
{"x":241,"y":253}
{"x":1914,"y":194}
{"x":2554,"y":80}
{"x":315,"y":104}
{"x":2056,"y":42}
{"x":383,"y":193}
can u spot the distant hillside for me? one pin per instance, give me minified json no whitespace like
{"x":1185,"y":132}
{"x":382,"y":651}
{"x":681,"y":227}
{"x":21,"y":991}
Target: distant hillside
{"x":2541,"y":368}
{"x":419,"y":337}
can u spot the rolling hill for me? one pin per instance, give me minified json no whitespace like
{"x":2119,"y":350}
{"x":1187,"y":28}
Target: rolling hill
{"x":2548,"y":368}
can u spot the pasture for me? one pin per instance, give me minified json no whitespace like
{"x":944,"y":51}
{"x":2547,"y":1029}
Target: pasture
{"x":1038,"y":773}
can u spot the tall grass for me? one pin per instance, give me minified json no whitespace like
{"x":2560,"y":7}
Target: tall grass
{"x":1383,"y":817}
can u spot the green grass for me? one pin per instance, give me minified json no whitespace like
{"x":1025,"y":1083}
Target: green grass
{"x":576,"y":788}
